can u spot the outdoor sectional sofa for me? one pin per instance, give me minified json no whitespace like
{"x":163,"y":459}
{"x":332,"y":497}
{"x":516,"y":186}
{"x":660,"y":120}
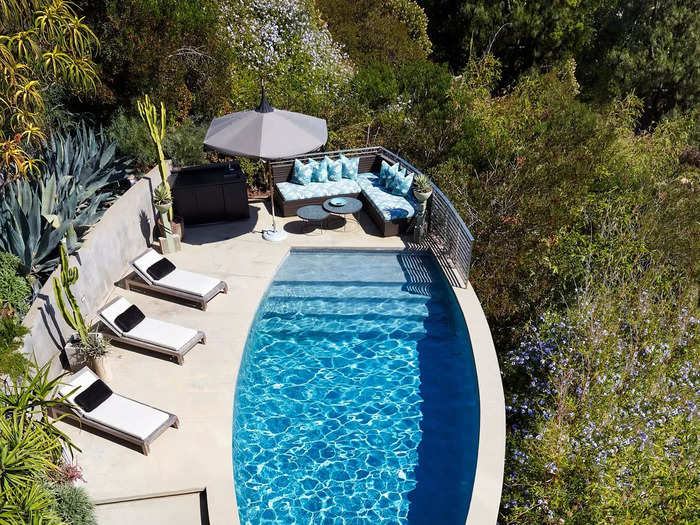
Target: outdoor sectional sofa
{"x":391,"y":213}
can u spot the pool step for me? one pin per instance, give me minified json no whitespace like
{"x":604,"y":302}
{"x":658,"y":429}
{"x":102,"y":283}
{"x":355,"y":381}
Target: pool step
{"x":352,"y":289}
{"x":324,"y":338}
{"x":341,"y":305}
{"x":437,"y":324}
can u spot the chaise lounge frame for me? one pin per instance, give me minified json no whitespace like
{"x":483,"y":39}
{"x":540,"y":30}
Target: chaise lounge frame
{"x":179,"y":355}
{"x":137,"y":281}
{"x":79,"y":421}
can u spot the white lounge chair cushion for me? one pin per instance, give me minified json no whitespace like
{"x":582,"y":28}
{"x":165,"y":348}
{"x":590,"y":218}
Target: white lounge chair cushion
{"x":153,"y":331}
{"x":129,"y":416}
{"x":118,"y":412}
{"x":194,"y":283}
{"x":180,"y":280}
{"x":162,"y":333}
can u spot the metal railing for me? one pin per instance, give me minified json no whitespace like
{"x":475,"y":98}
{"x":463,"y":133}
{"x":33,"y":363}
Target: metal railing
{"x":448,"y":237}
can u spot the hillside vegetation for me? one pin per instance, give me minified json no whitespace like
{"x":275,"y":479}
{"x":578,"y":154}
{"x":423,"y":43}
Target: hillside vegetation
{"x":565,"y":133}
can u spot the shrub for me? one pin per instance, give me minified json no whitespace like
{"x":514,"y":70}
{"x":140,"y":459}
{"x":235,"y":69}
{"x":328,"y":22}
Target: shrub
{"x":12,"y":361}
{"x":73,"y":505}
{"x":80,"y":172}
{"x":184,"y":143}
{"x":133,"y":139}
{"x":15,"y":290}
{"x":602,"y":410}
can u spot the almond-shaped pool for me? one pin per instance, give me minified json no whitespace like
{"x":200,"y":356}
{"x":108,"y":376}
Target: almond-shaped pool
{"x":357,"y":398}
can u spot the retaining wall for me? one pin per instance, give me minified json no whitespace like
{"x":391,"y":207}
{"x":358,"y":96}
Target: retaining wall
{"x":124,"y":231}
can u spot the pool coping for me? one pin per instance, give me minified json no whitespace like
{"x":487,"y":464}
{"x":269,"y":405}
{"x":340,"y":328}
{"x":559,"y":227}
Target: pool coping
{"x":488,"y":479}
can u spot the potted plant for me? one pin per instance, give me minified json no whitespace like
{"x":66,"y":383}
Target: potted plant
{"x":162,"y":199}
{"x":87,"y":345}
{"x":156,"y":128}
{"x":422,"y":189}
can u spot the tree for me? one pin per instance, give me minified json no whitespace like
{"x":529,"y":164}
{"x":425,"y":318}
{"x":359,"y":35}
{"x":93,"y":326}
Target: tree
{"x":395,"y":31}
{"x":646,"y":47}
{"x":649,"y":48}
{"x":175,"y":50}
{"x":288,"y":46}
{"x":42,"y":42}
{"x":518,"y":33}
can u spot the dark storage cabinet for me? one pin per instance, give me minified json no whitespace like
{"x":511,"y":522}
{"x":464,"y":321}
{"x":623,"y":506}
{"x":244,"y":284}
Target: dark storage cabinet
{"x":210,"y":193}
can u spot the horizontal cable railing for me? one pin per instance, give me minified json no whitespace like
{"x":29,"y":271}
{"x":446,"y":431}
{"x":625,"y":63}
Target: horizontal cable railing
{"x":448,"y":237}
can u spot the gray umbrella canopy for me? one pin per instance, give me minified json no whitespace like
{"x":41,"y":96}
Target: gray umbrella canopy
{"x":266,"y":133}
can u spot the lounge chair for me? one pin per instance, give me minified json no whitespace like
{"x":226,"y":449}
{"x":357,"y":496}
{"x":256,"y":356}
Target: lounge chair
{"x":160,"y":336}
{"x":193,"y":287}
{"x":116,"y":415}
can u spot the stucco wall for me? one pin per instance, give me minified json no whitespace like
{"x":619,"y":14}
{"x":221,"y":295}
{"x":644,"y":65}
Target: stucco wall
{"x":124,"y":231}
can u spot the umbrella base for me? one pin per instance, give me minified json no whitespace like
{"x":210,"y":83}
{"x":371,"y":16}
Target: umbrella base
{"x":274,"y":235}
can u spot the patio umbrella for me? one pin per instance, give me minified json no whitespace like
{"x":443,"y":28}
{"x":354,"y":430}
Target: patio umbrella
{"x":266,"y":133}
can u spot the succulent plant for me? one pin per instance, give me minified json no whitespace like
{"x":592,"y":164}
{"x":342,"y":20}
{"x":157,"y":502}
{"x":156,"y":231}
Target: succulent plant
{"x":162,"y":195}
{"x":422,"y":184}
{"x":78,"y":175}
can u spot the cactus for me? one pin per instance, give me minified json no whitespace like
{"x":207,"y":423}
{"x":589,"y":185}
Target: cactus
{"x":69,"y":276}
{"x":156,"y":127}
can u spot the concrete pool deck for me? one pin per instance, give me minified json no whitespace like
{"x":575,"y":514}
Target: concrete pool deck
{"x":201,"y":392}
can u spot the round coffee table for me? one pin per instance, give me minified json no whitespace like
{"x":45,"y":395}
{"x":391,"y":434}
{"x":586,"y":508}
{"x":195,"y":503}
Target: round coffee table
{"x":351,"y":207}
{"x":314,"y":215}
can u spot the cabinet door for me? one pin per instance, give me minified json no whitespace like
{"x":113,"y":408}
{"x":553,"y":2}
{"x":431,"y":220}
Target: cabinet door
{"x":210,"y":203}
{"x":236,"y":200}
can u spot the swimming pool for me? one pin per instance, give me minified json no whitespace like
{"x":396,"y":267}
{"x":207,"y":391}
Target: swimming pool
{"x":357,"y":399}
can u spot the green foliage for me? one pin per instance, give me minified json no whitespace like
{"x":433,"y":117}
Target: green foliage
{"x":176,"y":50}
{"x":593,"y":300}
{"x":61,"y":288}
{"x":133,"y":139}
{"x":184,"y":143}
{"x":12,"y":362}
{"x":386,"y":32}
{"x":41,"y":43}
{"x":287,"y":45}
{"x":79,"y":169}
{"x":646,"y":47}
{"x":605,"y":430}
{"x":74,"y":505}
{"x":31,"y":447}
{"x":15,"y":291}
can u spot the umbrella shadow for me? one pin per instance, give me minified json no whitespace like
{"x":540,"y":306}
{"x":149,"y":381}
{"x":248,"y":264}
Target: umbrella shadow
{"x":199,"y":234}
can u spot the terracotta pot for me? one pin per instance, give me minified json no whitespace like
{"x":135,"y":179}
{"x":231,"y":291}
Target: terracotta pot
{"x":177,"y":224}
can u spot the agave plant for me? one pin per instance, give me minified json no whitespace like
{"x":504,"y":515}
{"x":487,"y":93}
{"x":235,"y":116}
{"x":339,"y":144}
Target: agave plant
{"x":79,"y":173}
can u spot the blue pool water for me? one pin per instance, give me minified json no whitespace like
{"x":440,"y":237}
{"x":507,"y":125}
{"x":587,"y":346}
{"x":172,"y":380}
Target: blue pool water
{"x":356,"y":400}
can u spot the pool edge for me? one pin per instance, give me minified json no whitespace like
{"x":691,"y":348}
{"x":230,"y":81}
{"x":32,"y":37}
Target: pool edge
{"x":488,"y":478}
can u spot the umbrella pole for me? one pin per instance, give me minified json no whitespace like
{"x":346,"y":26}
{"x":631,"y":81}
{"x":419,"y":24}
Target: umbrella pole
{"x":272,"y":191}
{"x":273,"y":234}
